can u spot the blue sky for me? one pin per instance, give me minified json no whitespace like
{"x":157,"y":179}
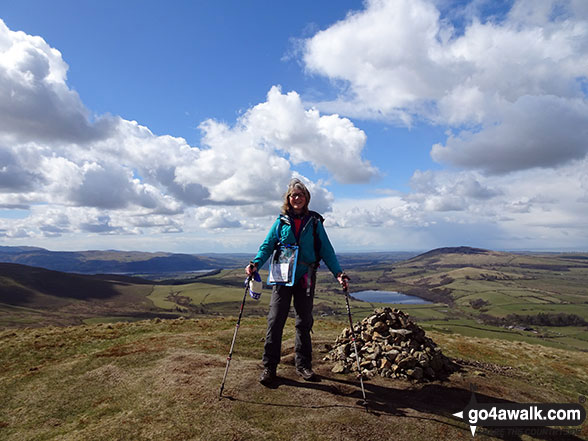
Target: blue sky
{"x":416,"y":124}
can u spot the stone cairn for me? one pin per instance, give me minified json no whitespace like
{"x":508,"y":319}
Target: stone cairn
{"x":390,"y":345}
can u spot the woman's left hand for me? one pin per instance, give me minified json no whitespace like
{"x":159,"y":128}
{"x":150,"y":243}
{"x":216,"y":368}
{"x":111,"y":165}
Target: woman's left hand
{"x":343,"y":280}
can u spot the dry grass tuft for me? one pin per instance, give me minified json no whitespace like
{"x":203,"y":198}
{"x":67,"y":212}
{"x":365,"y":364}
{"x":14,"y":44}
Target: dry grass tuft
{"x":156,"y":380}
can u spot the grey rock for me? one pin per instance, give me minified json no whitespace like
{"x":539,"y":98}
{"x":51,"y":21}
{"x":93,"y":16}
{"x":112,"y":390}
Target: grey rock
{"x":339,"y":368}
{"x":390,"y":345}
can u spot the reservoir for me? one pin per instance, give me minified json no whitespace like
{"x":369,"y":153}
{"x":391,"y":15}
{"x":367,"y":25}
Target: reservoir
{"x":388,"y":297}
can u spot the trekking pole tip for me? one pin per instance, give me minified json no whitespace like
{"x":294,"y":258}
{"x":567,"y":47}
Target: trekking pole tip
{"x":363,"y":403}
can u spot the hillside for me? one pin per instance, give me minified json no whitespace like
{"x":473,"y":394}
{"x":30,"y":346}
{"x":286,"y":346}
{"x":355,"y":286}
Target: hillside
{"x":158,"y":265}
{"x":31,"y":296}
{"x":484,"y":292}
{"x":160,"y":380}
{"x":122,"y":262}
{"x":36,"y":296}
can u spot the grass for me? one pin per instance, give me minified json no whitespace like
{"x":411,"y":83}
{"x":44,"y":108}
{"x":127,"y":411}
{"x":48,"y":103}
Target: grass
{"x":159,"y":379}
{"x":527,"y":309}
{"x":559,"y":371}
{"x":571,"y":338}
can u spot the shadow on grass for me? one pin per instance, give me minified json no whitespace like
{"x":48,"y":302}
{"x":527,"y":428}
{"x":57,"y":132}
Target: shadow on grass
{"x":432,"y":399}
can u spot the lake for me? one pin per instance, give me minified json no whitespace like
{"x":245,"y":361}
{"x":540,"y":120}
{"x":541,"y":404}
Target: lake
{"x":388,"y":297}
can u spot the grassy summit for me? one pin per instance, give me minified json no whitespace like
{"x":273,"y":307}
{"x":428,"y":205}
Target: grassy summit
{"x":159,"y":379}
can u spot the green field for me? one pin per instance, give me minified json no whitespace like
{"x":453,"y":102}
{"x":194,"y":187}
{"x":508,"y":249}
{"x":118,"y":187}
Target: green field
{"x":474,"y":292}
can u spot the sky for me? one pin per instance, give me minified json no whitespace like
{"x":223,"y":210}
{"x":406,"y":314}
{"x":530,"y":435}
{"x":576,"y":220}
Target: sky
{"x":176,"y":126}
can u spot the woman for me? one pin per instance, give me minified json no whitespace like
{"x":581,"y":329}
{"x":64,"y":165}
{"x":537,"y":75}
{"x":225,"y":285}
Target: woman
{"x":295,"y":226}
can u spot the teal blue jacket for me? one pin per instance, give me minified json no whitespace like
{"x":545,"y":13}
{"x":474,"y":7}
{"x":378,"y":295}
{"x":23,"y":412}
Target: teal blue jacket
{"x":306,"y":253}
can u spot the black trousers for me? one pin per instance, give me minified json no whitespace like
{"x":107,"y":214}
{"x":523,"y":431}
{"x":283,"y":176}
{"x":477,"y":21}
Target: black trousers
{"x":276,"y":319}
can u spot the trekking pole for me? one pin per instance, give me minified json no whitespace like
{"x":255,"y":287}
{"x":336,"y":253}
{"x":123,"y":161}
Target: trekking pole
{"x":346,"y":291}
{"x":220,"y":394}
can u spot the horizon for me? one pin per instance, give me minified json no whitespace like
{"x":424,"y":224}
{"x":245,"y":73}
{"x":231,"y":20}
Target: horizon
{"x":146,"y":126}
{"x":252,"y":253}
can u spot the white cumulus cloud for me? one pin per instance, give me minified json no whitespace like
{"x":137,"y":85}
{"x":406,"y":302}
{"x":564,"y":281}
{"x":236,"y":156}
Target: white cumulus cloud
{"x":528,"y":209}
{"x":513,"y":88}
{"x":325,"y":141}
{"x":68,"y":171}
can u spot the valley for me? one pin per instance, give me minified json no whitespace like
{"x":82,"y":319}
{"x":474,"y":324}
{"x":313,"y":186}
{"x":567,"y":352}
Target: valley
{"x":540,"y":298}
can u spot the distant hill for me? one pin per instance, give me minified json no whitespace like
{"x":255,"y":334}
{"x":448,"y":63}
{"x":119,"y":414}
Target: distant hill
{"x":16,"y":250}
{"x":120,"y":262}
{"x":463,"y":256}
{"x":460,"y":256}
{"x":454,"y":250}
{"x":143,"y":263}
{"x":22,"y":285}
{"x":360,"y":260}
{"x":31,"y":296}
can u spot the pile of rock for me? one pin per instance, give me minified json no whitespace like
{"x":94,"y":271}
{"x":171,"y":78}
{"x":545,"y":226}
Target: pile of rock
{"x":390,"y":345}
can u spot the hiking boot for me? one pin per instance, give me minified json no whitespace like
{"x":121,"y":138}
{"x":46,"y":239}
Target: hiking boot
{"x":306,"y":373}
{"x":268,"y":376}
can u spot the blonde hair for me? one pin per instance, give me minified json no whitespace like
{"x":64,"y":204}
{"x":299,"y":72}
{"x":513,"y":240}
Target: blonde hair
{"x":295,"y":184}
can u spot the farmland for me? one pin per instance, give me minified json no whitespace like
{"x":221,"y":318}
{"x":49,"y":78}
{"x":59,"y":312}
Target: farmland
{"x":472,"y":292}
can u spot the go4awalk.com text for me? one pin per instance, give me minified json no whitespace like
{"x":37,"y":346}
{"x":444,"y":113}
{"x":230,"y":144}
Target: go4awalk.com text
{"x":523,"y":415}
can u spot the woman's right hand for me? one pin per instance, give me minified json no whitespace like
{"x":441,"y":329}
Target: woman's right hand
{"x":250,"y":269}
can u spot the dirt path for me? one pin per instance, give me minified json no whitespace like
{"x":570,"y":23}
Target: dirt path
{"x":331,"y":407}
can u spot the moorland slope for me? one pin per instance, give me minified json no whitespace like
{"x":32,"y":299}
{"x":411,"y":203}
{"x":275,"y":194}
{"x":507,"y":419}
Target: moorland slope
{"x":160,"y":379}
